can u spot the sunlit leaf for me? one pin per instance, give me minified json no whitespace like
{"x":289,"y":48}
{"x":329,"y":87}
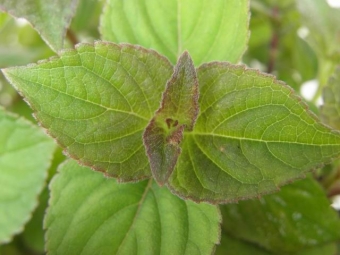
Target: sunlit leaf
{"x":178,"y":112}
{"x":25,"y":154}
{"x":253,"y":135}
{"x":96,"y":101}
{"x":50,"y":18}
{"x":297,"y":218}
{"x":330,"y":111}
{"x":138,"y":218}
{"x":209,"y":30}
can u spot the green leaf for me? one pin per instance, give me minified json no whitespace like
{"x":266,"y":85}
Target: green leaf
{"x":330,"y":111}
{"x":50,"y":18}
{"x":25,"y":154}
{"x":139,"y":218}
{"x":170,"y":27}
{"x":323,"y":23}
{"x":178,"y":112}
{"x":96,"y":101}
{"x":253,"y":135}
{"x":298,"y":217}
{"x":233,"y":246}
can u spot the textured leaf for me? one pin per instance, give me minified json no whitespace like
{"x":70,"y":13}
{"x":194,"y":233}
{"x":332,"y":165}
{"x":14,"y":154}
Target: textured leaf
{"x":50,"y":18}
{"x":25,"y":154}
{"x":296,"y":218}
{"x":178,"y":112}
{"x":139,"y":218}
{"x":252,"y":136}
{"x":209,"y":30}
{"x":96,"y":101}
{"x":330,"y":111}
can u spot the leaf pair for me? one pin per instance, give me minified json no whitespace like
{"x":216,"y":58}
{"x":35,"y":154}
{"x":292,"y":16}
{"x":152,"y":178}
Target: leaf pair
{"x":178,"y":112}
{"x":251,"y":136}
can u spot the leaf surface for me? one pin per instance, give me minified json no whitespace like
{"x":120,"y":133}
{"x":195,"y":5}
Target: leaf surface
{"x":178,"y":112}
{"x":139,"y":218}
{"x":297,"y":218}
{"x":234,"y":246}
{"x":209,"y":30}
{"x":25,"y":155}
{"x":330,"y":110}
{"x":50,"y":18}
{"x":96,"y":101}
{"x":253,"y":135}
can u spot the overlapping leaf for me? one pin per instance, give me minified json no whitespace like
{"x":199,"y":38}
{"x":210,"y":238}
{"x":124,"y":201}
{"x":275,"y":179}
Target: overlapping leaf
{"x":177,"y":113}
{"x":25,"y":154}
{"x":139,"y":218}
{"x":96,"y":101}
{"x":253,"y":135}
{"x":330,"y":111}
{"x":209,"y":30}
{"x":50,"y":18}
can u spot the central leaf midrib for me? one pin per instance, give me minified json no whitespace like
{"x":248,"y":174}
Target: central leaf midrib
{"x":140,"y":204}
{"x":193,"y":133}
{"x":87,"y":101}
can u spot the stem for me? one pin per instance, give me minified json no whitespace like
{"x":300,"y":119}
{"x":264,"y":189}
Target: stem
{"x":274,"y":42}
{"x":71,"y":37}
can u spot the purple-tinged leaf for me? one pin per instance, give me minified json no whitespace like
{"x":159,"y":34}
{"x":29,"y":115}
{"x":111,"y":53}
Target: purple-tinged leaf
{"x":178,"y":112}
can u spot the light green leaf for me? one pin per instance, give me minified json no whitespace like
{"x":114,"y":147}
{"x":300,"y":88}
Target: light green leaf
{"x":96,"y":101}
{"x":178,"y":112}
{"x":139,"y":218}
{"x":253,"y":135}
{"x":50,"y":18}
{"x":297,"y":218}
{"x":330,"y":110}
{"x":25,"y":154}
{"x":208,"y":29}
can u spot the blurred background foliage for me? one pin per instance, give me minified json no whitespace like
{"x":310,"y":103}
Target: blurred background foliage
{"x":296,"y":40}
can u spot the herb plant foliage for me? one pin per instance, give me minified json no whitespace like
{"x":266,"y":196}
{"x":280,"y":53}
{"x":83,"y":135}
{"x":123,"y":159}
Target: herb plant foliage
{"x":174,"y":133}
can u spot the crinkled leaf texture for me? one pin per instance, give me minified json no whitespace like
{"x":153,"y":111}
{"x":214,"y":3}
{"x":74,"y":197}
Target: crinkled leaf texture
{"x":330,"y":110}
{"x":25,"y":156}
{"x":253,"y":135}
{"x":177,"y":113}
{"x":296,"y":219}
{"x":208,"y":29}
{"x":49,"y":17}
{"x":139,"y":218}
{"x":96,"y":101}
